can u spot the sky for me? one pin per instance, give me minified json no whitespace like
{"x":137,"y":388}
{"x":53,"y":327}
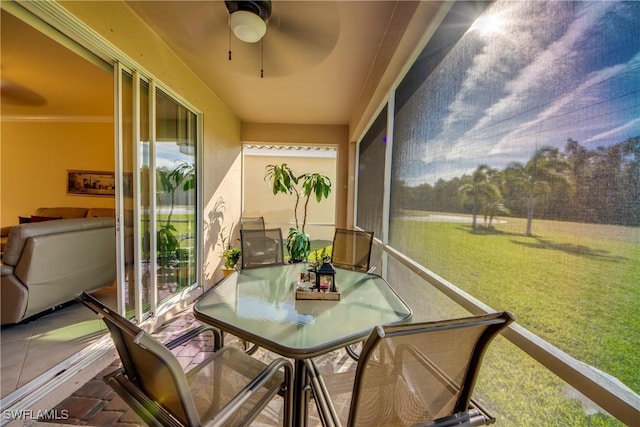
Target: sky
{"x":525,"y":75}
{"x":168,"y":155}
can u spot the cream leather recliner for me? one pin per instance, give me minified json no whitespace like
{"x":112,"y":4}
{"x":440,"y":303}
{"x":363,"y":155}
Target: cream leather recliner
{"x":46,"y":264}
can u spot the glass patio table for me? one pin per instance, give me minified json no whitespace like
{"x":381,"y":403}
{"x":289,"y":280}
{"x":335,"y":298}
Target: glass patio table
{"x":259,"y":305}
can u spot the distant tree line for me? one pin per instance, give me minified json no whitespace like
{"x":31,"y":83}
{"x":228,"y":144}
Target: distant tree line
{"x":576,"y":184}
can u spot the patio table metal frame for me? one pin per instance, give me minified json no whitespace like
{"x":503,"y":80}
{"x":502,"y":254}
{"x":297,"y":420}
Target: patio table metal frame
{"x":259,"y":305}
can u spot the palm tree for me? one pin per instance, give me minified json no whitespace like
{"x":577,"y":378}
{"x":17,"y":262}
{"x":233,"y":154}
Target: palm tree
{"x":481,"y":191}
{"x":546,"y":166}
{"x":491,"y":209}
{"x":181,"y":177}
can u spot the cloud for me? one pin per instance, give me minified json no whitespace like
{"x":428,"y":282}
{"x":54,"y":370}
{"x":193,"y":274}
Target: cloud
{"x":617,"y":133}
{"x":510,"y":123}
{"x":544,"y":78}
{"x":518,"y":118}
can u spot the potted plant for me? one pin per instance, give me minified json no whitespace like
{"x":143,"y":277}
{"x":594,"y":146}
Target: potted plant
{"x":230,"y":254}
{"x":186,"y":267}
{"x":283,"y":180}
{"x":168,"y":245}
{"x":231,"y":257}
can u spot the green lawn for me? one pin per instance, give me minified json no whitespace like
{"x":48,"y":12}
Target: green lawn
{"x":575,"y":285}
{"x":184,"y":224}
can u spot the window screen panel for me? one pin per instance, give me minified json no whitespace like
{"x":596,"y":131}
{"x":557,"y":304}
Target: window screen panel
{"x":515,"y":175}
{"x":371,"y":164}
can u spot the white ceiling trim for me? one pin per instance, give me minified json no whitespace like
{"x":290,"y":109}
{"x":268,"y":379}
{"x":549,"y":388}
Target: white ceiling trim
{"x":290,"y":151}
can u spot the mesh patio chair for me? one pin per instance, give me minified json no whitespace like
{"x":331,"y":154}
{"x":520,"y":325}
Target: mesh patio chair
{"x":351,"y":249}
{"x":252,"y":223}
{"x":261,"y":248}
{"x":227,"y":388}
{"x":419,"y":374}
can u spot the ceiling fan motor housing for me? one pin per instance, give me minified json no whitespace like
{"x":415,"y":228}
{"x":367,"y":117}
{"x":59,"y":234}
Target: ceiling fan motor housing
{"x":262,"y":8}
{"x":248,"y":19}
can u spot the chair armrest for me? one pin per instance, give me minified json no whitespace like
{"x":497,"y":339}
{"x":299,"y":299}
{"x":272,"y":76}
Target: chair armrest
{"x":250,"y":389}
{"x":147,"y":409}
{"x":192,"y":333}
{"x":486,"y":416}
{"x":472,"y":417}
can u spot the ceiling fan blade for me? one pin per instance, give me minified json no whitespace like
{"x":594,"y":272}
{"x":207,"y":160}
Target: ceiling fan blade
{"x":296,"y":40}
{"x":186,"y":22}
{"x":311,"y":21}
{"x":307,"y":30}
{"x":300,"y":35}
{"x":15,"y":94}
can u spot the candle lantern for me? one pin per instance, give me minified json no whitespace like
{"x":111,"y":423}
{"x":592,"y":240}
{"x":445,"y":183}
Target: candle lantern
{"x":326,"y":278}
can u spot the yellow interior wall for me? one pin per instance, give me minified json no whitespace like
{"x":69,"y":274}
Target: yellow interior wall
{"x":35,"y":160}
{"x":221,"y":166}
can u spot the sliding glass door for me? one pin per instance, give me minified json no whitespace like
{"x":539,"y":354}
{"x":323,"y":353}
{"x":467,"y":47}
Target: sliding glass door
{"x":175,"y":173}
{"x":157,"y":203}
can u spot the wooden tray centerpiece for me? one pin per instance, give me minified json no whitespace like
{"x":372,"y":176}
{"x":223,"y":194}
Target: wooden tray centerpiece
{"x":322,"y":288}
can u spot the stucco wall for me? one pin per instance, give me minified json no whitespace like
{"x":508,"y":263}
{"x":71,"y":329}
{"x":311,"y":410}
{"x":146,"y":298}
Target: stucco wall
{"x":334,"y":135}
{"x":278,"y":210}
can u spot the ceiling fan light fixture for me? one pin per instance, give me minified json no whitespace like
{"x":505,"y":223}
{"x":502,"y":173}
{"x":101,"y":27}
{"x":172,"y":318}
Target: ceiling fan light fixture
{"x":247,"y":26}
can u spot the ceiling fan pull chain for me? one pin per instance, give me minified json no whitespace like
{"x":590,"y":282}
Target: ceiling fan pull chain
{"x":229,"y":43}
{"x":262,"y":58}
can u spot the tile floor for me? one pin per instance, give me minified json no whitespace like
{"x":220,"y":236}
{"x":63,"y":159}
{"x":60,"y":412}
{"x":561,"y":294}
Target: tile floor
{"x":95,"y":404}
{"x":27,"y":350}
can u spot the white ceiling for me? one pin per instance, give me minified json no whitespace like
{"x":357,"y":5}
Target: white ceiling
{"x":321,"y":60}
{"x":317,"y":55}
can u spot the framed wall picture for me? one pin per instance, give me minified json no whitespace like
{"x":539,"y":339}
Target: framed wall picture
{"x":91,"y":183}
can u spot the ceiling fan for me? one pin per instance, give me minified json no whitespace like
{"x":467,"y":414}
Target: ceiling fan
{"x":292,"y":33}
{"x":298,"y":34}
{"x":248,"y":19}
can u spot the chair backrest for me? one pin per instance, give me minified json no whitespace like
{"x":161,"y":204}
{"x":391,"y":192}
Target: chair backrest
{"x":261,"y":247}
{"x":417,"y":373}
{"x":252,"y":223}
{"x":352,"y":249}
{"x":148,"y":364}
